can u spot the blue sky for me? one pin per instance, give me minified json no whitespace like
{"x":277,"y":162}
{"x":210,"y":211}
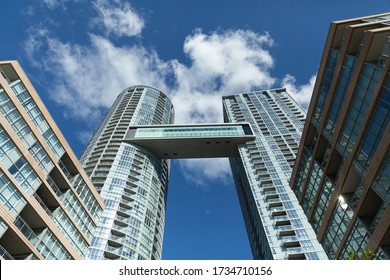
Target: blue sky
{"x":79,"y":54}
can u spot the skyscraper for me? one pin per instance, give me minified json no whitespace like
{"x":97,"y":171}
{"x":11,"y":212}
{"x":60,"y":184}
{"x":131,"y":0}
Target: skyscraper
{"x":342,"y":173}
{"x":132,"y":181}
{"x":276,"y":225}
{"x":49,"y":209}
{"x":127,"y":161}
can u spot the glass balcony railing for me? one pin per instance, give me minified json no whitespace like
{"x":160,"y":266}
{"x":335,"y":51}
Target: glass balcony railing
{"x":4,"y":254}
{"x":117,"y":239}
{"x":31,"y":257}
{"x":54,"y":186}
{"x":122,"y":229}
{"x":43,"y":205}
{"x":281,"y":228}
{"x":294,"y":250}
{"x":122,"y":219}
{"x":26,"y":230}
{"x":64,"y":169}
{"x":124,"y":210}
{"x":114,"y":250}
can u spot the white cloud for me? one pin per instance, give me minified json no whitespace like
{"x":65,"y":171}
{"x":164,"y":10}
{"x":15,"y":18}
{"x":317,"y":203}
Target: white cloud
{"x":302,"y":93}
{"x":51,"y":4}
{"x":118,"y":18}
{"x":221,"y":63}
{"x":34,"y":43}
{"x":89,"y":77}
{"x":201,"y":171}
{"x":84,"y":136}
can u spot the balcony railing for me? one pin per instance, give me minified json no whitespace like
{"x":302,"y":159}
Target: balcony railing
{"x":124,"y":210}
{"x":117,"y":239}
{"x":26,"y":230}
{"x":122,"y":229}
{"x":4,"y":254}
{"x":65,"y":170}
{"x":54,"y":187}
{"x":40,"y":201}
{"x":122,"y":219}
{"x":114,"y":250}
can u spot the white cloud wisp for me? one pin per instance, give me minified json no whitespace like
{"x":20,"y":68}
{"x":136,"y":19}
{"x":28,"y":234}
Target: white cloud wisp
{"x":302,"y":93}
{"x":118,"y":18}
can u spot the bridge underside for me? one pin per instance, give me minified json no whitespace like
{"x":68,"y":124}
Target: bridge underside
{"x":191,"y":141}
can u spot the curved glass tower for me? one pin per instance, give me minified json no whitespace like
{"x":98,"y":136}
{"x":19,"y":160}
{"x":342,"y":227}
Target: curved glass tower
{"x":132,"y":182}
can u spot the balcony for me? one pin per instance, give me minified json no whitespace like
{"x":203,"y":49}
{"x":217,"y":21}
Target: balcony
{"x":295,"y":256}
{"x":31,"y":257}
{"x":43,"y":205}
{"x":292,"y":244}
{"x":117,"y":239}
{"x":271,"y":196}
{"x":125,"y":211}
{"x":275,"y":206}
{"x":112,"y":258}
{"x":26,"y":230}
{"x":285,"y":228}
{"x":269,"y":190}
{"x":267,"y":185}
{"x":281,"y":223}
{"x":113,"y":252}
{"x":277,"y":213}
{"x":120,"y":230}
{"x":65,"y":170}
{"x":282,"y":233}
{"x":272,"y":200}
{"x":122,"y":220}
{"x":129,"y":190}
{"x":126,"y":197}
{"x":4,"y":255}
{"x":54,"y":187}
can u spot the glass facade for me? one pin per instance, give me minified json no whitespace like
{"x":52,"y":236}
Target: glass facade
{"x":339,"y":94}
{"x":12,"y":159}
{"x":131,"y":181}
{"x":37,"y":117}
{"x":342,"y":177}
{"x":381,"y":183}
{"x":179,"y":132}
{"x":325,"y":85}
{"x":323,"y":202}
{"x":358,"y":109}
{"x":275,"y":223}
{"x":337,"y":228}
{"x":38,"y":180}
{"x":10,"y":197}
{"x":373,"y":134}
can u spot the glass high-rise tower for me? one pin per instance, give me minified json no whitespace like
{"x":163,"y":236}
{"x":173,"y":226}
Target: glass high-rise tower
{"x":132,"y":182}
{"x":49,"y":208}
{"x":127,"y":161}
{"x":276,"y":225}
{"x":342,"y":173}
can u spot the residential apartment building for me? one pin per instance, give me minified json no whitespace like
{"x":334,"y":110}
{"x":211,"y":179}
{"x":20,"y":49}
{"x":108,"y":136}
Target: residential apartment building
{"x":276,"y":225}
{"x":132,"y":181}
{"x":49,"y":209}
{"x":342,"y":172}
{"x":127,"y":160}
